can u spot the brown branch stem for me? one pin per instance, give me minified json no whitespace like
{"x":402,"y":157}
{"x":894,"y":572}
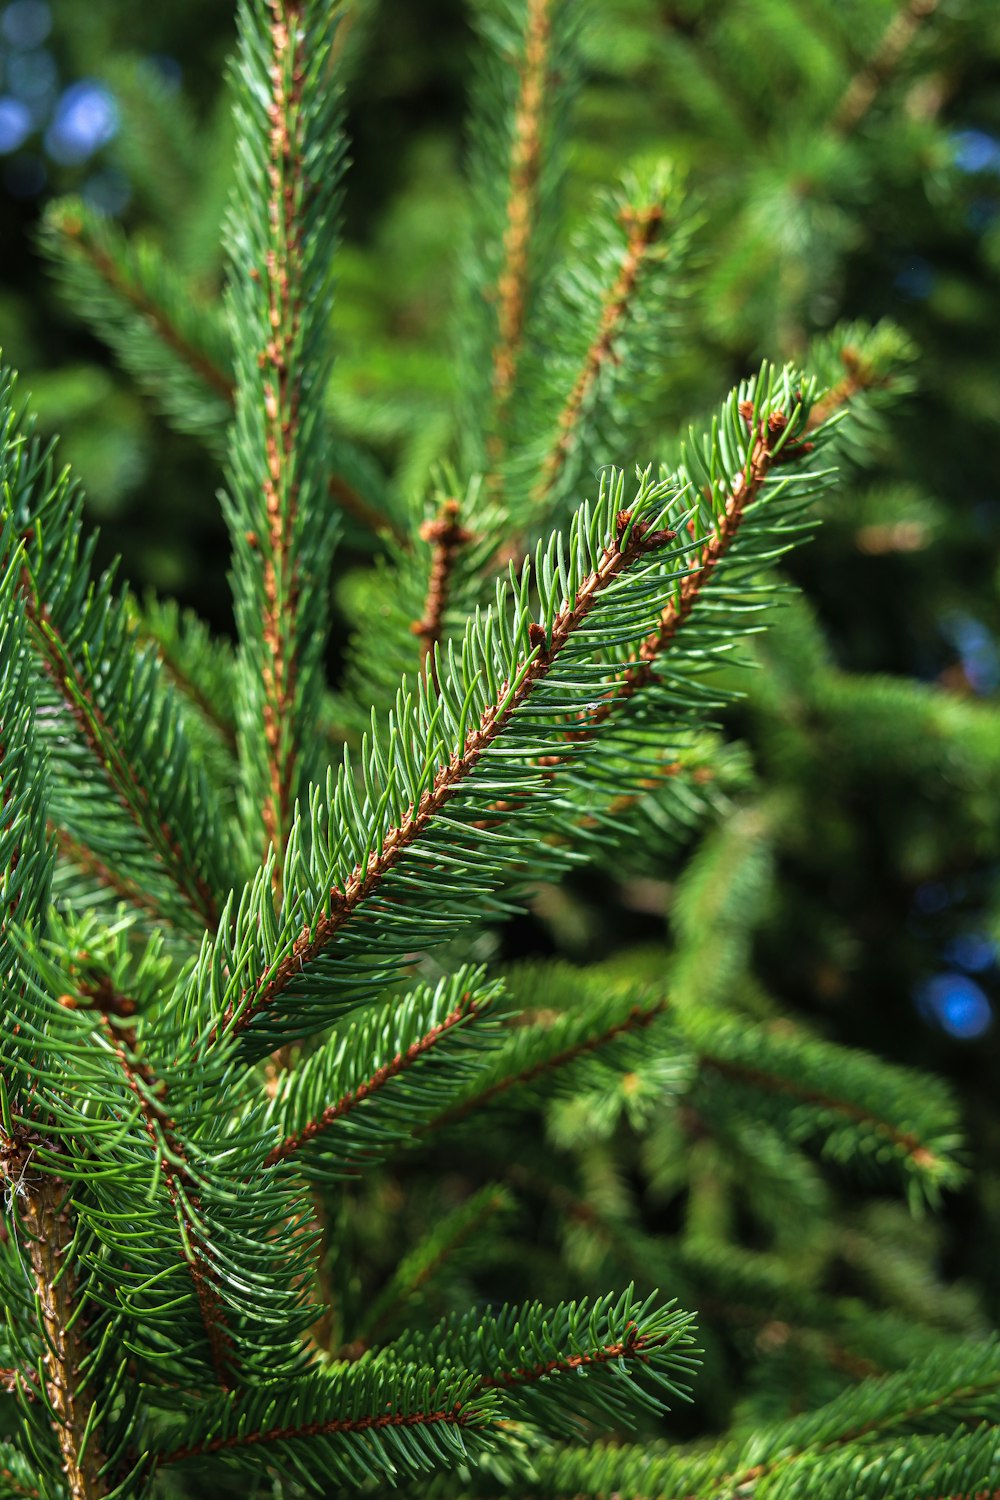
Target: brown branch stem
{"x":632,"y":1347}
{"x":858,"y":377}
{"x":455,"y":1418}
{"x":525,"y":166}
{"x":862,"y":91}
{"x":41,"y":1205}
{"x":446,"y":537}
{"x":281,"y":388}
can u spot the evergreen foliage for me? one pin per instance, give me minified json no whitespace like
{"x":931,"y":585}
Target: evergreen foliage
{"x":305,"y":1191}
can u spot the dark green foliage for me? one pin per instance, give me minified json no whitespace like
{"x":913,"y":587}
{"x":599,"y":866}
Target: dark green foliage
{"x":306,"y":1191}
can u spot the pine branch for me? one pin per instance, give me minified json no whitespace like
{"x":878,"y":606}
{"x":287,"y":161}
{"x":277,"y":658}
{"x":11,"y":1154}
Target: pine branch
{"x":136,"y":301}
{"x":572,"y":1362}
{"x":458,"y":1232}
{"x":537,"y":1051}
{"x":86,"y":863}
{"x":176,"y":346}
{"x":863,"y":89}
{"x":343,"y":1426}
{"x":125,"y":784}
{"x":533,"y":654}
{"x":512,"y":284}
{"x":365,"y":1091}
{"x":642,"y":227}
{"x":172,"y":1164}
{"x":43,"y":1216}
{"x":281,"y":232}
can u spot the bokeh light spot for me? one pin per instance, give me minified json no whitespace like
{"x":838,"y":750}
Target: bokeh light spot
{"x":932,"y":896}
{"x":86,"y":118}
{"x":26,"y":23}
{"x":957,"y":1004}
{"x":32,"y":75}
{"x":972,"y":951}
{"x":976,"y":151}
{"x":15,"y":123}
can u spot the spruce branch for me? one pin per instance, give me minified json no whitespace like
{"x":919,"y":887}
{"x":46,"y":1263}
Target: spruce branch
{"x":365,"y":1091}
{"x":178,"y":347}
{"x":15,"y":1486}
{"x":24,"y":850}
{"x":612,"y":552}
{"x":910,"y":1145}
{"x":136,"y":301}
{"x":770,"y":446}
{"x":536,"y":1051}
{"x":72,"y":683}
{"x":863,"y":89}
{"x":963,"y":1388}
{"x":44,"y":1221}
{"x":200,"y":667}
{"x":87,"y":863}
{"x":525,"y":166}
{"x":281,"y":234}
{"x":608,"y":315}
{"x":456,"y":1237}
{"x":172,"y":1163}
{"x":578,"y":1360}
{"x":642,"y":227}
{"x":526,"y":73}
{"x":342,"y":1425}
{"x":517,"y":681}
{"x":125,"y":783}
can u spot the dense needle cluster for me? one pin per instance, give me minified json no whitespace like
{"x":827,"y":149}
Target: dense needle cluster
{"x":248,"y":922}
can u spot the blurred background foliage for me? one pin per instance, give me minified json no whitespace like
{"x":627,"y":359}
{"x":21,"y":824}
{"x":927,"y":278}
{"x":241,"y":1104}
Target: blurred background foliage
{"x":847,"y":160}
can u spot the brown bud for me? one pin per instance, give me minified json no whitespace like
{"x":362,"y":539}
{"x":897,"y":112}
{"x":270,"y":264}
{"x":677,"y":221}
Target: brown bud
{"x":653,"y":539}
{"x":538,"y":636}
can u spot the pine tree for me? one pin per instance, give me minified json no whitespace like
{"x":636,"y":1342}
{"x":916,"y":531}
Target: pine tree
{"x":254,"y":1013}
